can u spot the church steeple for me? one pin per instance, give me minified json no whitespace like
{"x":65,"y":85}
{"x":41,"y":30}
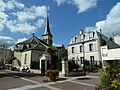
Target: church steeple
{"x":47,"y":28}
{"x":47,"y":36}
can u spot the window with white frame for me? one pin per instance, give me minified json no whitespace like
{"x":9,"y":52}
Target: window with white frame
{"x":73,"y":49}
{"x":91,"y":35}
{"x":92,"y":61}
{"x":91,"y":47}
{"x":82,"y":36}
{"x":104,"y":52}
{"x":82,"y":60}
{"x":81,"y":48}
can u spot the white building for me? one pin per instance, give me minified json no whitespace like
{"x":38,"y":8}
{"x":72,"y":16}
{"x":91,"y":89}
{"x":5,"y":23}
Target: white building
{"x":108,"y":54}
{"x":87,"y":46}
{"x":5,"y":55}
{"x":117,"y":39}
{"x":30,"y":53}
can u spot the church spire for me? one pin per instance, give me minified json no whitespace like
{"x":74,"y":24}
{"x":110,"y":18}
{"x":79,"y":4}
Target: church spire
{"x":47,"y":36}
{"x":47,"y":28}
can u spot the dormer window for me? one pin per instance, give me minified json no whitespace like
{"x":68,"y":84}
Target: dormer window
{"x":82,"y":37}
{"x":74,"y":39}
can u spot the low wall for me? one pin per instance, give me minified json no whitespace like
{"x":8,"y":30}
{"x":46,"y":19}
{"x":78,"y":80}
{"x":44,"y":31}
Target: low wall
{"x":75,"y":73}
{"x":37,"y":71}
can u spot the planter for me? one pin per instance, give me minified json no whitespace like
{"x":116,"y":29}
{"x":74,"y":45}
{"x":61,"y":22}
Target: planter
{"x":52,"y":75}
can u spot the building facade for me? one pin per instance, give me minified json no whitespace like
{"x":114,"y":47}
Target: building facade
{"x":87,"y":46}
{"x":109,"y":55}
{"x":5,"y":55}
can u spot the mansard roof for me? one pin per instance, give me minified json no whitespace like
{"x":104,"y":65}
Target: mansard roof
{"x":106,"y":41}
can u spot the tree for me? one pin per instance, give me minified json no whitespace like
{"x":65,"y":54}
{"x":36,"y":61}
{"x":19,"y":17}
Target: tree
{"x":52,"y":51}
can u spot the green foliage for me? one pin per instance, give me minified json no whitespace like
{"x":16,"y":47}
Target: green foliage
{"x":115,"y":83}
{"x":51,"y":50}
{"x":59,"y":65}
{"x":72,"y":65}
{"x":110,"y":74}
{"x":95,"y":67}
{"x":104,"y":79}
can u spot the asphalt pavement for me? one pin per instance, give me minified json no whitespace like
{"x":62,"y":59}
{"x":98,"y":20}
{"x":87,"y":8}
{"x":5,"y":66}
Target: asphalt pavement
{"x":10,"y":80}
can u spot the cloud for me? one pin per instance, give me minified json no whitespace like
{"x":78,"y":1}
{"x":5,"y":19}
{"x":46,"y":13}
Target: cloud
{"x":40,"y":23}
{"x":59,"y":2}
{"x":10,"y":5}
{"x":82,"y":5}
{"x":3,"y":20}
{"x":112,"y":22}
{"x":17,"y":17}
{"x":23,"y":27}
{"x":7,"y":40}
{"x":21,"y":40}
{"x":32,"y":13}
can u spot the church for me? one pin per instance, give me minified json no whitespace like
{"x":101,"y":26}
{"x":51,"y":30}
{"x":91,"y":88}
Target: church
{"x":32,"y":52}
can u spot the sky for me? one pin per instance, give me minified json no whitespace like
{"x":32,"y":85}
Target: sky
{"x":20,"y":18}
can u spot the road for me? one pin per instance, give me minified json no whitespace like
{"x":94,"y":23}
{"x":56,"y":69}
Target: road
{"x":10,"y":80}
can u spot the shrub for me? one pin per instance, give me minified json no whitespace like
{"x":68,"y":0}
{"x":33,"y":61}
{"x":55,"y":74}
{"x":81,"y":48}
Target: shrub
{"x":72,"y":65}
{"x":115,"y":83}
{"x":104,"y":79}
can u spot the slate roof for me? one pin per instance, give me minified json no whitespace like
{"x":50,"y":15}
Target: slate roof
{"x":105,"y":41}
{"x":35,"y":43}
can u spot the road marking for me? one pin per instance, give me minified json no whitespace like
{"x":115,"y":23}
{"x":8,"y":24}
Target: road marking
{"x":26,"y":87}
{"x":47,"y":85}
{"x":31,"y":86}
{"x":92,"y":76}
{"x":83,"y":83}
{"x":34,"y":86}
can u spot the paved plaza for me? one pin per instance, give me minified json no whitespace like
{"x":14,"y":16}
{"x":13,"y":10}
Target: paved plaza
{"x":24,"y":81}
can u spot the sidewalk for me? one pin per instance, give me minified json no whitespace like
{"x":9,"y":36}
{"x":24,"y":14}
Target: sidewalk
{"x":94,"y":74}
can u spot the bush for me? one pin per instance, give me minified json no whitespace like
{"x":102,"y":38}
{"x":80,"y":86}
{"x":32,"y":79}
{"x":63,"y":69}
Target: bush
{"x":72,"y":65}
{"x":115,"y":83}
{"x":109,"y":76}
{"x":104,"y":79}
